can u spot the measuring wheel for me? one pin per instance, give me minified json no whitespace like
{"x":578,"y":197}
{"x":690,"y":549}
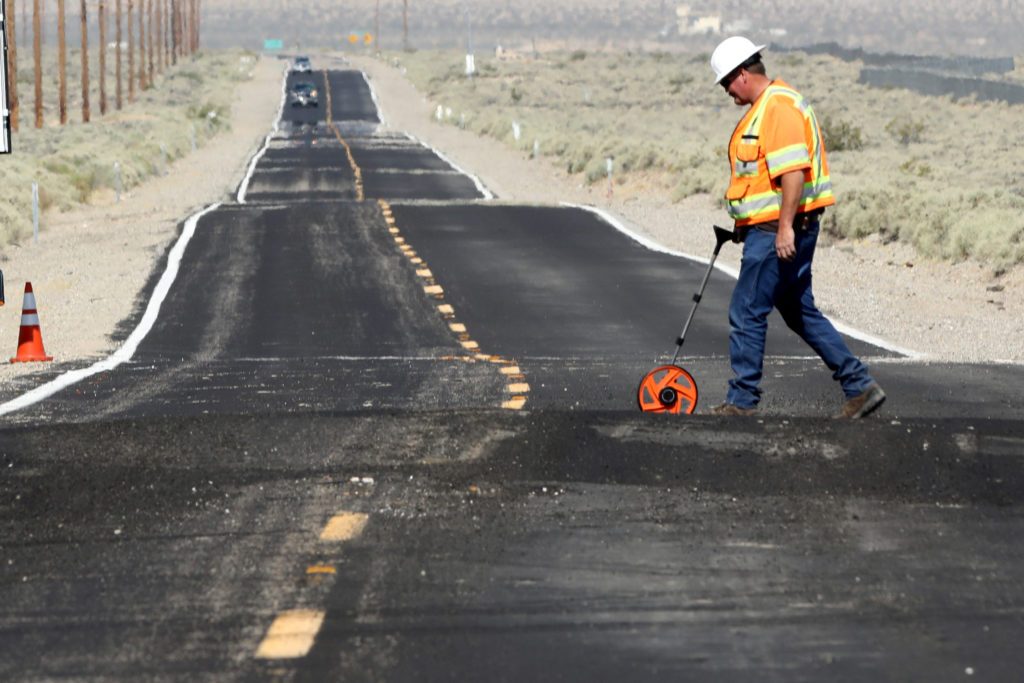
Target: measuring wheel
{"x":668,"y":389}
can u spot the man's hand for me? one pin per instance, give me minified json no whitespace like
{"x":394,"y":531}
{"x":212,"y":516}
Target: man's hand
{"x":785,"y":242}
{"x":792,"y":188}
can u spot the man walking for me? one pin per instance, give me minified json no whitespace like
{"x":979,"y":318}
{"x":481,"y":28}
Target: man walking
{"x":779,"y":188}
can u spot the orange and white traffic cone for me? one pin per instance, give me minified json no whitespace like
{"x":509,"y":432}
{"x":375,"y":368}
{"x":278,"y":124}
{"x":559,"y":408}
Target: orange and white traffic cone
{"x":30,"y":340}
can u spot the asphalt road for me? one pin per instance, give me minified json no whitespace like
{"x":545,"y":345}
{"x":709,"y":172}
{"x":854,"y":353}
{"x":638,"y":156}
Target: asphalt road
{"x":384,"y":427}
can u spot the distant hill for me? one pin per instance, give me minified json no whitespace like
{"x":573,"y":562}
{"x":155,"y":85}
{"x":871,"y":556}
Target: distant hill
{"x":924,"y":27}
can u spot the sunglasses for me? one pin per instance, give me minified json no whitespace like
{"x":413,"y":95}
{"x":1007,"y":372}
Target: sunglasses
{"x":727,"y":81}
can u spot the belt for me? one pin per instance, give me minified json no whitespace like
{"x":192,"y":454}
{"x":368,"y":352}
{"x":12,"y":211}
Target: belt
{"x":801,"y":221}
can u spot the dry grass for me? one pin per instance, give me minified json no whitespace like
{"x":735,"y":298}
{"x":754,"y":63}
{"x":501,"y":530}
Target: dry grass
{"x":944,"y":176}
{"x":75,"y":162}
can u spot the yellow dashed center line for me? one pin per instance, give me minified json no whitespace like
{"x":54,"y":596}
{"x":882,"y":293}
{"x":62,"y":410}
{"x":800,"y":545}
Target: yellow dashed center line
{"x":344,"y":526}
{"x":348,"y":150}
{"x":293,"y":632}
{"x":291,"y":635}
{"x":516,"y":389}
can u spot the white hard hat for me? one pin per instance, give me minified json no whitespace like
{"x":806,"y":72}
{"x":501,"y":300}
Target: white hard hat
{"x":730,"y":53}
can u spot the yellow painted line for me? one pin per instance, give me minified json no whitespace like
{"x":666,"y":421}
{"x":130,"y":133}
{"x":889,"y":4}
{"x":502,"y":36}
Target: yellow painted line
{"x":511,"y":370}
{"x":514,"y":404}
{"x":470,"y":345}
{"x":518,"y":388}
{"x":446,"y":309}
{"x":393,"y":231}
{"x":291,"y":635}
{"x":433,"y":289}
{"x":321,"y":569}
{"x":344,"y":526}
{"x":416,"y":260}
{"x":351,"y":159}
{"x":399,"y":240}
{"x":456,"y":327}
{"x":424,"y":272}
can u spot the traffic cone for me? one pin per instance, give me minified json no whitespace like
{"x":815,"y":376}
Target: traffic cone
{"x":30,"y":340}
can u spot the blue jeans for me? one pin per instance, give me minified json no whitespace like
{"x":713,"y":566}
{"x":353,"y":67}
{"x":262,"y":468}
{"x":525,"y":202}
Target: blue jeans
{"x":766,"y":282}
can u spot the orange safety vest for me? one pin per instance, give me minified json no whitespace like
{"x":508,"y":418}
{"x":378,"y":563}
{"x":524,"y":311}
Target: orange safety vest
{"x":778,"y":134}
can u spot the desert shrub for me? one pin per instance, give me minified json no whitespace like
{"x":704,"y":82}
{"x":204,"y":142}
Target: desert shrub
{"x":678,"y":81}
{"x":905,"y":129}
{"x":863,"y":211}
{"x":840,"y":135}
{"x":578,"y":55}
{"x":690,"y":182}
{"x":596,"y":170}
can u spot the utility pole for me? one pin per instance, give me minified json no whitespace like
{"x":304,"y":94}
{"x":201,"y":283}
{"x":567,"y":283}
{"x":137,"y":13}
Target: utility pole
{"x":62,"y":69}
{"x":131,"y":52}
{"x":172,"y":17}
{"x":142,"y":46}
{"x":159,"y":36}
{"x":149,"y":38}
{"x":117,"y":51}
{"x":37,"y":54}
{"x":12,"y":71}
{"x":85,"y":66}
{"x":103,"y":58}
{"x":376,"y":25}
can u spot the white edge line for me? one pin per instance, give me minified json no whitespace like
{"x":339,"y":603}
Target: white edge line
{"x":244,"y":187}
{"x":376,"y":101}
{"x":733,"y":273}
{"x":476,"y":181}
{"x":131,"y":344}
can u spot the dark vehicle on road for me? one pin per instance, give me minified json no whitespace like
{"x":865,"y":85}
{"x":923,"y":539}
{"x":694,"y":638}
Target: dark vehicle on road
{"x":303,"y":94}
{"x":302,"y":65}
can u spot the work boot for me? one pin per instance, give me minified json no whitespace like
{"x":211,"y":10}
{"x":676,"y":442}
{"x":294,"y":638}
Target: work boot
{"x":863,"y":403}
{"x":730,"y":409}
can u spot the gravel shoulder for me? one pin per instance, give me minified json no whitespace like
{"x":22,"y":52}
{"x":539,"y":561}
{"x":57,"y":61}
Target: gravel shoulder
{"x":90,"y":265}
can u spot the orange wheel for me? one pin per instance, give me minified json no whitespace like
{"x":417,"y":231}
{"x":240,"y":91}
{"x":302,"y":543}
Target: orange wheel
{"x":668,"y":389}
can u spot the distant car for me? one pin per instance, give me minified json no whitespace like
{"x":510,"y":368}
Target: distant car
{"x":302,"y":65}
{"x":303,"y":94}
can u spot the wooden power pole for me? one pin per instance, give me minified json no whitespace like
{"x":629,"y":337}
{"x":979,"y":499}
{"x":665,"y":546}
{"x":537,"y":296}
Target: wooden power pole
{"x":131,"y":54}
{"x":117,"y":52}
{"x":37,"y":54}
{"x":62,"y":68}
{"x":142,"y":45}
{"x":103,"y":58}
{"x":85,"y":66}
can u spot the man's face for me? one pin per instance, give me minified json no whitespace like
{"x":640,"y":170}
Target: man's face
{"x":735,"y":86}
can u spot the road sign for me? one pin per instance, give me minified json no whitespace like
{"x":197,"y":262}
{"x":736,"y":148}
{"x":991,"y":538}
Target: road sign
{"x":273,"y":44}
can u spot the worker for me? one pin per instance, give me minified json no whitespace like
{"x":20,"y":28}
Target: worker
{"x":779,"y":188}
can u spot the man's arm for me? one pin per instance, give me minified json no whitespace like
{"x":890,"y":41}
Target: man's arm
{"x":792,"y":184}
